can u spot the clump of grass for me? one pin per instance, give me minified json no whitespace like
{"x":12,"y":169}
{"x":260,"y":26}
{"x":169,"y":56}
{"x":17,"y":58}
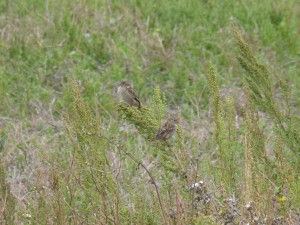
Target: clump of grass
{"x":91,"y":171}
{"x":263,"y":172}
{"x":259,"y":85}
{"x":254,"y":155}
{"x":224,"y":133}
{"x":57,"y":186}
{"x":7,"y":200}
{"x":217,"y":108}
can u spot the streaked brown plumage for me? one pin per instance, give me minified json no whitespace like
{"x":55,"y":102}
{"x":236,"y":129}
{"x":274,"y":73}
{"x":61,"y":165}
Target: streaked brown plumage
{"x":167,"y":130}
{"x":127,"y":94}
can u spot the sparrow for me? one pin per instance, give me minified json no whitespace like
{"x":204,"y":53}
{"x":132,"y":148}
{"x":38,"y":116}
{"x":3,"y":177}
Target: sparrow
{"x":167,"y":130}
{"x":127,"y":94}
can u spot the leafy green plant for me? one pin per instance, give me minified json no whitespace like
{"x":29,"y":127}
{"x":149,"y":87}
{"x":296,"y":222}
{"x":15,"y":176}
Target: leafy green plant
{"x":261,"y":171}
{"x":147,"y":119}
{"x":224,"y":133}
{"x":7,"y":200}
{"x":258,"y":82}
{"x":92,"y":172}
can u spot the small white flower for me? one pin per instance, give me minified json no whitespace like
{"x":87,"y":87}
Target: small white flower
{"x":87,"y":35}
{"x":26,"y":215}
{"x":197,"y":184}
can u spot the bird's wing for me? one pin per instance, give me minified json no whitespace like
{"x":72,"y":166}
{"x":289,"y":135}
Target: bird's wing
{"x":131,"y":91}
{"x":164,"y":131}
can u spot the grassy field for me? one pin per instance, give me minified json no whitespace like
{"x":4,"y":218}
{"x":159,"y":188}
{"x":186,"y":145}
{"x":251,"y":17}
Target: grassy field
{"x":71,"y":153}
